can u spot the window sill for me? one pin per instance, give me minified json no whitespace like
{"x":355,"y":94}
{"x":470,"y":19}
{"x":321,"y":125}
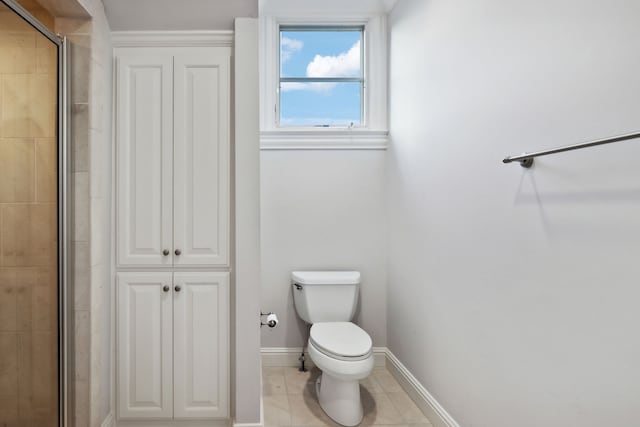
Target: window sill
{"x":324,"y":139}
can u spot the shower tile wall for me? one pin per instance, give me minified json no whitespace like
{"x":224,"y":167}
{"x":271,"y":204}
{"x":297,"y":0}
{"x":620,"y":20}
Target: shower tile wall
{"x":28,"y":215}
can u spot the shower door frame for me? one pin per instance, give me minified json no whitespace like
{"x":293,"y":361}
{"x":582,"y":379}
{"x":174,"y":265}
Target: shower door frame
{"x":63,"y":223}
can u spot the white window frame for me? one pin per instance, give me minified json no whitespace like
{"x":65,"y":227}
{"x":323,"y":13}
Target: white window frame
{"x":373,"y":134}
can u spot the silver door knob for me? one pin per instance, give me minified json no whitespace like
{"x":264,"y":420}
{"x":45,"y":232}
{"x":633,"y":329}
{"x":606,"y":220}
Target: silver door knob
{"x":178,"y":288}
{"x":166,"y":252}
{"x":166,"y":288}
{"x":178,"y":252}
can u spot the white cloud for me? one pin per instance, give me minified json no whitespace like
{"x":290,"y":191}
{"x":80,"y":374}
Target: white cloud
{"x":346,"y":64}
{"x":320,"y":87}
{"x":288,"y":47}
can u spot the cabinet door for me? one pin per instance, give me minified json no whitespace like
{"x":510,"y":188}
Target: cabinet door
{"x":201,"y":158}
{"x":201,"y":345}
{"x":145,"y":349}
{"x":144,"y":135}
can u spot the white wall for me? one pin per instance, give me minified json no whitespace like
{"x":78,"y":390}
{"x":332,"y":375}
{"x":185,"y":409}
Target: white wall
{"x":322,"y":210}
{"x":246,"y":382}
{"x":513,"y":293}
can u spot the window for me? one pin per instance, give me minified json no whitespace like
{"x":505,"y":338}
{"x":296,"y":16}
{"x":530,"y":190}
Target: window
{"x":321,"y":78}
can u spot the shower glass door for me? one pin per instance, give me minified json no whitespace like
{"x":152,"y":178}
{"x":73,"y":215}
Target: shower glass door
{"x":30,"y":294}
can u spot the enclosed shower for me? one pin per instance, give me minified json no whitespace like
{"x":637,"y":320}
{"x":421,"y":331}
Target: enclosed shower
{"x":31,"y":219}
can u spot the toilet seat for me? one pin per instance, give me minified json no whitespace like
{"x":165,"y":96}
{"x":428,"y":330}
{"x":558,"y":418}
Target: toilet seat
{"x":341,"y":340}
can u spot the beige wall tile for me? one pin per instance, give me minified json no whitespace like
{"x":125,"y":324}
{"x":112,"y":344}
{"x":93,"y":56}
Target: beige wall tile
{"x":25,"y":281}
{"x":82,"y":403}
{"x":82,"y":345}
{"x":28,"y":235}
{"x":81,"y":276}
{"x":17,"y":174}
{"x":9,"y":411}
{"x":15,"y":105}
{"x":73,"y":26}
{"x":44,"y":369}
{"x":8,"y":304}
{"x":17,"y":52}
{"x":15,"y":235}
{"x":81,"y":207}
{"x":42,"y":105}
{"x":25,"y":363}
{"x":44,"y":17}
{"x":44,"y":296}
{"x":80,"y":59}
{"x":46,"y":58}
{"x":80,"y":135}
{"x":43,"y":234}
{"x":8,"y":365}
{"x":46,"y":170}
{"x":10,"y":22}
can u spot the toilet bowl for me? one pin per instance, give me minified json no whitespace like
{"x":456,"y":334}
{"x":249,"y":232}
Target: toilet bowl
{"x":344,"y":354}
{"x":327,"y":300}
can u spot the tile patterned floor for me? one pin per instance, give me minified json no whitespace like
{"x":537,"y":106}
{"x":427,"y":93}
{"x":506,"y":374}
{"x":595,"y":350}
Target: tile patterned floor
{"x":290,"y":400}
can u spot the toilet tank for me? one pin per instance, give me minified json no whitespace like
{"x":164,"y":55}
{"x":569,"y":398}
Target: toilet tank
{"x":325,"y":296}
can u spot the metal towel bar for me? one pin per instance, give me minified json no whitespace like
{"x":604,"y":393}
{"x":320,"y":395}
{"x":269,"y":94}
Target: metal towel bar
{"x":526,"y":159}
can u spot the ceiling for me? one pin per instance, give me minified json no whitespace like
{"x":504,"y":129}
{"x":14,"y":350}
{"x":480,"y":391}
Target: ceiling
{"x":149,"y":15}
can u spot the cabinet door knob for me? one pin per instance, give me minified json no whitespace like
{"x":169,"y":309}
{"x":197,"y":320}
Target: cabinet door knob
{"x":166,"y":288}
{"x":178,"y":288}
{"x":178,"y":252}
{"x":166,"y":252}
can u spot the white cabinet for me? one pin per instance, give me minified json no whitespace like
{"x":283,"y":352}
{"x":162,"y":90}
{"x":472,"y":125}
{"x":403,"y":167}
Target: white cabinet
{"x":144,"y":135}
{"x":173,"y":345}
{"x":172,"y":136}
{"x":145,"y":347}
{"x":201,"y":167}
{"x":200,"y":345}
{"x":172,"y":234}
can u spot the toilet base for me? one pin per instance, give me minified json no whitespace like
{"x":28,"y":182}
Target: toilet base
{"x":340,"y":400}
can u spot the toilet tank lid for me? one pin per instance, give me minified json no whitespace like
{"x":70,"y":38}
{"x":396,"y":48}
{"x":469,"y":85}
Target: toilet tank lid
{"x":326,"y":277}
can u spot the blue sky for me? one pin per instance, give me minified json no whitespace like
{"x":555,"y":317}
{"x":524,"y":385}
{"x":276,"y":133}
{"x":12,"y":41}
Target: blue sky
{"x":320,"y":54}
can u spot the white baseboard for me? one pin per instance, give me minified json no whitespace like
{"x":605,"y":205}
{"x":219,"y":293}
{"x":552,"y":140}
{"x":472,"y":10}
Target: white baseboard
{"x":225,"y":422}
{"x":283,"y":357}
{"x":109,"y":420}
{"x":439,"y":417}
{"x":288,"y":357}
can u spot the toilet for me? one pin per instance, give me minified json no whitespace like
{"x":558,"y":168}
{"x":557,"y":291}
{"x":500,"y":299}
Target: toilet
{"x":340,"y":349}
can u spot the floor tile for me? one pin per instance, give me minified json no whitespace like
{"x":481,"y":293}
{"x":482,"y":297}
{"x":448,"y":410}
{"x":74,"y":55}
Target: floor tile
{"x":378,"y":409}
{"x":306,"y":411}
{"x":276,"y":411}
{"x":407,"y":408}
{"x":371,"y":385}
{"x":273,"y":383}
{"x":297,"y":382}
{"x":386,"y":380}
{"x":290,"y":400}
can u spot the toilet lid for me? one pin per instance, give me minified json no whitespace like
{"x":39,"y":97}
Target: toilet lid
{"x":343,"y":339}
